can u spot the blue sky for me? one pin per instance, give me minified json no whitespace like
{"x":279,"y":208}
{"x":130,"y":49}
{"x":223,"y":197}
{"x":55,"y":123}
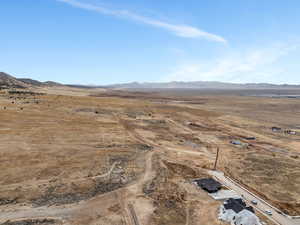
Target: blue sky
{"x":115,"y":41}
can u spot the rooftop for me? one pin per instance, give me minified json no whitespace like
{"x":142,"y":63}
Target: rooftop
{"x":208,"y":184}
{"x":237,"y":205}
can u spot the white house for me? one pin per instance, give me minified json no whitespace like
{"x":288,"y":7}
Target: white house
{"x":245,"y":217}
{"x":236,"y":212}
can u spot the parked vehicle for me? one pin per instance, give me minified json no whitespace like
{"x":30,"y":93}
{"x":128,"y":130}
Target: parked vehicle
{"x":254,"y":202}
{"x":268,"y":212}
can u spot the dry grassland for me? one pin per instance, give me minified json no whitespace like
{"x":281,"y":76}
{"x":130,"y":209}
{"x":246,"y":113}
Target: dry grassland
{"x":75,"y":158}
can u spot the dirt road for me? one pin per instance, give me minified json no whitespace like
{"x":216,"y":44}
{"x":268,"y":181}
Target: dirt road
{"x":41,"y":212}
{"x":261,"y":206}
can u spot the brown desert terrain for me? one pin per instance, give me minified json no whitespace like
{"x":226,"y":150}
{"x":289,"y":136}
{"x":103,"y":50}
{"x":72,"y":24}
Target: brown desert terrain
{"x":106,"y":157}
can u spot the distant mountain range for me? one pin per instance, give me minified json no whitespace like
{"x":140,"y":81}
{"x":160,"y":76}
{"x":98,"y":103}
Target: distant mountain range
{"x":201,"y":85}
{"x":8,"y":81}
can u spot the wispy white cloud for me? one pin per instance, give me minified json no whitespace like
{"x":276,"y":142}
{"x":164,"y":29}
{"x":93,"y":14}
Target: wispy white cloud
{"x":259,"y":65}
{"x":179,"y":30}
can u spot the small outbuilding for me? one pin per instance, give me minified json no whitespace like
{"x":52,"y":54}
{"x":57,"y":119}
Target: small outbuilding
{"x":290,"y":132}
{"x":209,"y":184}
{"x":250,"y":138}
{"x":239,"y":143}
{"x":236,"y":142}
{"x":276,"y":129}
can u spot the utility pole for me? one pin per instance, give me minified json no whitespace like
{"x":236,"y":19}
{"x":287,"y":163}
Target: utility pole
{"x":217,"y":156}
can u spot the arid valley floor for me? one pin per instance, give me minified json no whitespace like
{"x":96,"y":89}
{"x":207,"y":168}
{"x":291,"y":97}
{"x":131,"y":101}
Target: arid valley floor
{"x":92,"y":157}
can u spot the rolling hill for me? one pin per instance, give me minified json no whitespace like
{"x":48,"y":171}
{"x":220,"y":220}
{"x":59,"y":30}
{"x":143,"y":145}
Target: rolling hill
{"x":8,"y":81}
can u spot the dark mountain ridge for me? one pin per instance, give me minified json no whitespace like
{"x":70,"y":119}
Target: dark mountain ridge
{"x":8,"y":81}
